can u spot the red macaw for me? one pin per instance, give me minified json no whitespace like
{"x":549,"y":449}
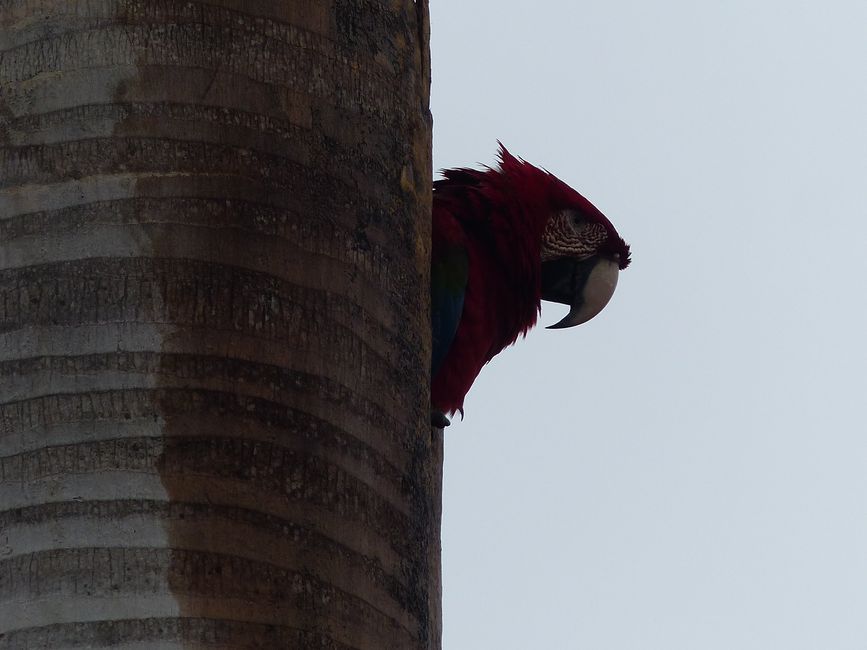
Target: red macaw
{"x":504,"y":239}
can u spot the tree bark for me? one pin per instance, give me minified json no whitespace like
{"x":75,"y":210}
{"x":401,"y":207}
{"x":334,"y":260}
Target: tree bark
{"x":214,"y":339}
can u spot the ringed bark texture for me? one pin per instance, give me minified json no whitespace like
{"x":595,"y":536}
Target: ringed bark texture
{"x":214,"y":243}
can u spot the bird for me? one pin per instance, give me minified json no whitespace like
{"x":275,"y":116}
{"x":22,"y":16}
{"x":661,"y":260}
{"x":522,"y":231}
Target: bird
{"x":503,"y":239}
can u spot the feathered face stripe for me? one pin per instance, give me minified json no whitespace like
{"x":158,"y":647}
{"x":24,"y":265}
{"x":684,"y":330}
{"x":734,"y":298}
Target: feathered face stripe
{"x":566,"y":235}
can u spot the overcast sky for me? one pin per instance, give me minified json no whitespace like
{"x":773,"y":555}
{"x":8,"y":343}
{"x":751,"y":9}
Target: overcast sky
{"x":689,"y":469}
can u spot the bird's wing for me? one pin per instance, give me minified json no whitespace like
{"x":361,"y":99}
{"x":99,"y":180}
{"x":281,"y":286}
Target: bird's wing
{"x":449,"y":273}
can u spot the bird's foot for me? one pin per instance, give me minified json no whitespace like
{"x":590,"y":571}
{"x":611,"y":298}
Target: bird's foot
{"x":439,"y":419}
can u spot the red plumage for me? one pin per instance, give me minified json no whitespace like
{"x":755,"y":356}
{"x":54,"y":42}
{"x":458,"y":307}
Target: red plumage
{"x":499,"y":217}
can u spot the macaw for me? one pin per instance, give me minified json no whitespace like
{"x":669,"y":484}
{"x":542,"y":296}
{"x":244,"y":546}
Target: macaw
{"x":503,"y":240}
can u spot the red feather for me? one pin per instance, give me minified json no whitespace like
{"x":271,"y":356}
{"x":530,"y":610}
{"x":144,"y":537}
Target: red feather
{"x":499,"y":216}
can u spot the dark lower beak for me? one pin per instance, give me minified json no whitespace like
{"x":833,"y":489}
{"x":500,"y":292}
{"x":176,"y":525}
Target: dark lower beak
{"x":585,"y":285}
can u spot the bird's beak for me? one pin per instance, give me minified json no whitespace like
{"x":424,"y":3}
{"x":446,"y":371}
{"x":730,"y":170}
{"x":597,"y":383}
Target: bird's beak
{"x":585,"y":285}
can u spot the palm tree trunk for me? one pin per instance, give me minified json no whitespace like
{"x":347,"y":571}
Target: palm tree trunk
{"x":214,"y":342}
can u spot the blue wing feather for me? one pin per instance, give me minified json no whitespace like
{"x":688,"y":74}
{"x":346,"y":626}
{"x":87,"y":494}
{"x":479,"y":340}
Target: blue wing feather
{"x":449,"y":272}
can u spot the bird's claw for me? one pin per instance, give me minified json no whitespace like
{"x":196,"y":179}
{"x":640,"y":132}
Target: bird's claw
{"x":439,"y":419}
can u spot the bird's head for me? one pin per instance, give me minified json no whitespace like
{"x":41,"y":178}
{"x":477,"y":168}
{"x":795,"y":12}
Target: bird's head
{"x":582,"y":256}
{"x":581,"y":252}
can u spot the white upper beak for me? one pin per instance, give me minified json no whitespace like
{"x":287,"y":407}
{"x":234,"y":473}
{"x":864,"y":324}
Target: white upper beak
{"x":597,"y":292}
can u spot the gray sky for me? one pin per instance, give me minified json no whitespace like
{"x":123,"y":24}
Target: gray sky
{"x":689,"y":469}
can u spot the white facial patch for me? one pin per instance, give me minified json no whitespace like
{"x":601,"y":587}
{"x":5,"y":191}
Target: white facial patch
{"x":566,"y":236}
